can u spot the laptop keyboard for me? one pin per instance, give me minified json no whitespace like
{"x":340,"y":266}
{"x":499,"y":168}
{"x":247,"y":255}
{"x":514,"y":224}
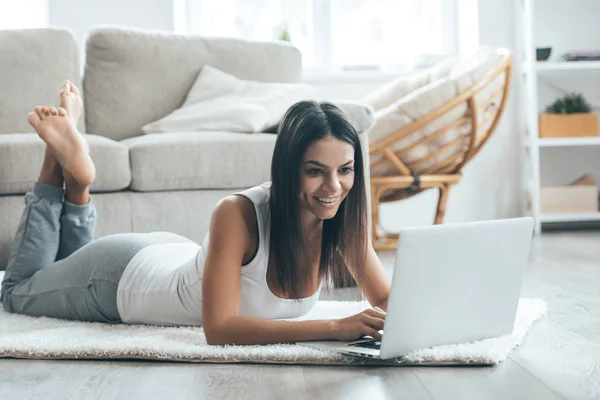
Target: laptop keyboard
{"x":367,"y":344}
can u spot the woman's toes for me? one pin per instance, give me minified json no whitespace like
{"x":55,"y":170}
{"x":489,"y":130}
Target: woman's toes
{"x":39,"y":111}
{"x":62,"y":112}
{"x":41,"y":114}
{"x":53,"y":111}
{"x":33,"y":118}
{"x":74,"y":89}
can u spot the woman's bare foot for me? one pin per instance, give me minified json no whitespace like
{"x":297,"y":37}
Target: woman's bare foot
{"x":70,"y":100}
{"x":66,"y":144}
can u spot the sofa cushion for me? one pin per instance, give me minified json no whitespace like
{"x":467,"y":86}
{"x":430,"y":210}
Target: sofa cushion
{"x":199,"y":160}
{"x":221,"y":102}
{"x":137,"y":77}
{"x":34,"y":65}
{"x":22,"y":154}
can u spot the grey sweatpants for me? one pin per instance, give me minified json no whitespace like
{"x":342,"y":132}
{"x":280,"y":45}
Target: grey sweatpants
{"x":56,"y":269}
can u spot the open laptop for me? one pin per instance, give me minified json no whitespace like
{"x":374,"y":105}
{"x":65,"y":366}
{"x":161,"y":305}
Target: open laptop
{"x":452,"y":283}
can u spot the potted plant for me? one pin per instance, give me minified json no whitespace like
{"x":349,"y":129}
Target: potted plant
{"x":283,"y":33}
{"x":568,"y":116}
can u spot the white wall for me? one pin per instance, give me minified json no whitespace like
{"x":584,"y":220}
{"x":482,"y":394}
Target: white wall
{"x":81,"y":15}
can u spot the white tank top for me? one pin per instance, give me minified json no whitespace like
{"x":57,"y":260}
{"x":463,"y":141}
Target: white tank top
{"x":162,"y":284}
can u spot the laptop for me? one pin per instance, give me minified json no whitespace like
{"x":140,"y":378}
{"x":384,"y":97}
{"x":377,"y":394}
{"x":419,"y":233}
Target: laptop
{"x":452,"y":283}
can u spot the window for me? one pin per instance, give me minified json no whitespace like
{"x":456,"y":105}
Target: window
{"x":23,"y":14}
{"x":336,"y":34}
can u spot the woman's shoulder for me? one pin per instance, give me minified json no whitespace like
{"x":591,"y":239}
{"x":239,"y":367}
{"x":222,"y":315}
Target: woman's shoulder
{"x":241,"y":211}
{"x":235,"y":219}
{"x":247,"y":201}
{"x":258,"y":195}
{"x":237,"y":208}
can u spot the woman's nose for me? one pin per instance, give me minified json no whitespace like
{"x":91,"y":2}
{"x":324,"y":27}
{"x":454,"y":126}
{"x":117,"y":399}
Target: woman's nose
{"x":333,"y":183}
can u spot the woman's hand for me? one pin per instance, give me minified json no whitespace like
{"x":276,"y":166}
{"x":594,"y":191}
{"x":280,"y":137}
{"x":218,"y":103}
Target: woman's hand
{"x":368,"y":322}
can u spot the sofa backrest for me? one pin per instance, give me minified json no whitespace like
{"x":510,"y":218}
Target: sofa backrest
{"x":133,"y":77}
{"x":34,"y":63}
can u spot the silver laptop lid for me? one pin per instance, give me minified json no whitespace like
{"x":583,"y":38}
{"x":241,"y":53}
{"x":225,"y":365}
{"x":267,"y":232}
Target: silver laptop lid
{"x":455,"y":283}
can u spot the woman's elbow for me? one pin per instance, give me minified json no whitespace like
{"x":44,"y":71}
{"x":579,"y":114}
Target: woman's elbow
{"x":213,"y":335}
{"x":217,"y":335}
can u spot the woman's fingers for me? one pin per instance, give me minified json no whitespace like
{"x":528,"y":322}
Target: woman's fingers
{"x":375,"y":313}
{"x":373,"y":333}
{"x":373,"y":322}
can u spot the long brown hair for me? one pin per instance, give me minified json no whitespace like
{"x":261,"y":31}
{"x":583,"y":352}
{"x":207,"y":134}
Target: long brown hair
{"x":345,"y":235}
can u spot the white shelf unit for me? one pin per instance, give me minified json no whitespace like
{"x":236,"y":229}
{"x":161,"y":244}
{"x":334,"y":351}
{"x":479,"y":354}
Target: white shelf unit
{"x":567,"y":65}
{"x":569,"y":142}
{"x":534,"y":145}
{"x":570,"y":217}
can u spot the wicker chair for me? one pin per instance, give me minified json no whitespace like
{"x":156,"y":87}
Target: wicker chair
{"x":433,"y":143}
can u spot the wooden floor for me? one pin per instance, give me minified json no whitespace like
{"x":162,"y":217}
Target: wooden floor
{"x":560,"y":357}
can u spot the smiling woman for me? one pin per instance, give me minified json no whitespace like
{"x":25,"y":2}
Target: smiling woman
{"x":269,"y":249}
{"x":318,"y":189}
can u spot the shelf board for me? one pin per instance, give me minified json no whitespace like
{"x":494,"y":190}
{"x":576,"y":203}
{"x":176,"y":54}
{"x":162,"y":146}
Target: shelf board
{"x":570,"y":141}
{"x":567,"y":65}
{"x":570,"y":217}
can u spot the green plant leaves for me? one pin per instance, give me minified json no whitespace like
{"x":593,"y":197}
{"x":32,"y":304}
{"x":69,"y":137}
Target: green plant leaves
{"x":569,"y":104}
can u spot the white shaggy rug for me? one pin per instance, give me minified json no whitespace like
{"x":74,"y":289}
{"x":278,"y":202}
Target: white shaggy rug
{"x":47,"y":338}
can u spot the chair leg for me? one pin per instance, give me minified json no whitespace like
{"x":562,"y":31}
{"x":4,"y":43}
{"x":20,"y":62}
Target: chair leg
{"x":442,"y":201}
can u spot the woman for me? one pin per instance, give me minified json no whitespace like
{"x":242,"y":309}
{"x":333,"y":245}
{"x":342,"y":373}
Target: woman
{"x":267,"y":254}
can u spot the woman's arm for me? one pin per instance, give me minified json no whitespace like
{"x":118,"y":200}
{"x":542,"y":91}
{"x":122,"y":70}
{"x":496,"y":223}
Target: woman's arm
{"x":230,"y":241}
{"x":248,"y":330}
{"x":376,"y":284}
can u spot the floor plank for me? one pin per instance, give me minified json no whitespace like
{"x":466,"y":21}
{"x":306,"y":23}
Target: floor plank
{"x":565,"y":271}
{"x":565,"y":362}
{"x":48,"y":380}
{"x":363,"y":383}
{"x":137,"y":380}
{"x":506,"y":381}
{"x":248,"y":381}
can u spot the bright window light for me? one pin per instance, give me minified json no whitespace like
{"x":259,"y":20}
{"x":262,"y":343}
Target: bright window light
{"x":335,"y":34}
{"x":23,"y":14}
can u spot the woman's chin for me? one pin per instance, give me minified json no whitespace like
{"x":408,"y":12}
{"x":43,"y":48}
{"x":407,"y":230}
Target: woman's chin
{"x":328,"y":213}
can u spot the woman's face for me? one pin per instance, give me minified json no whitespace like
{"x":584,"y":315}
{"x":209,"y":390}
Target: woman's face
{"x":326,"y":177}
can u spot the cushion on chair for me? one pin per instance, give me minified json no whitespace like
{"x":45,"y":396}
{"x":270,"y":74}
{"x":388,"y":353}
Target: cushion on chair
{"x":462,"y":75}
{"x":390,"y":92}
{"x":199,"y":160}
{"x":22,"y":154}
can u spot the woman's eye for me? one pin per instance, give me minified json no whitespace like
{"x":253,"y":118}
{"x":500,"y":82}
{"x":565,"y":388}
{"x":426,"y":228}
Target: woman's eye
{"x":314,"y":171}
{"x":346,"y":170}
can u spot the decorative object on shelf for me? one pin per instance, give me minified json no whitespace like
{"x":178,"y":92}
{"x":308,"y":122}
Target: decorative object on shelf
{"x":580,"y":196}
{"x":568,"y":116}
{"x":585,"y":55}
{"x":543,"y":53}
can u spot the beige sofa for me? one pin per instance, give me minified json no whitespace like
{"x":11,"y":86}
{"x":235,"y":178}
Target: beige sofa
{"x":167,"y":182}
